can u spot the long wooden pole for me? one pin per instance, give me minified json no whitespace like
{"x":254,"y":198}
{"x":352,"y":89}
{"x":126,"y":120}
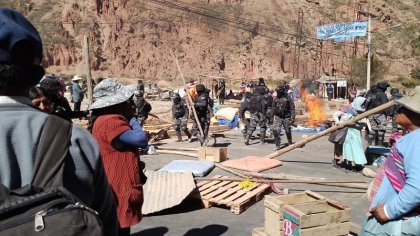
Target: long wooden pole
{"x":279,"y":181}
{"x":177,"y":152}
{"x":189,"y":97}
{"x":178,"y":149}
{"x":330,"y":130}
{"x":87,"y":69}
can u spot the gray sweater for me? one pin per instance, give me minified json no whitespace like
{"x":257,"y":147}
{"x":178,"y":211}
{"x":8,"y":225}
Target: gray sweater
{"x":21,"y":126}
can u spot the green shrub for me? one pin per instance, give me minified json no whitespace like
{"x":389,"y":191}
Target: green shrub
{"x":408,"y":83}
{"x":415,"y":73}
{"x":358,"y":70}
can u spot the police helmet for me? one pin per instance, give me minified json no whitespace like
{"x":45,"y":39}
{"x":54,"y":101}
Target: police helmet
{"x":176,"y":97}
{"x":281,"y":90}
{"x":394,"y":91}
{"x":200,"y":88}
{"x":260,"y":90}
{"x":248,"y":95}
{"x":383,"y":84}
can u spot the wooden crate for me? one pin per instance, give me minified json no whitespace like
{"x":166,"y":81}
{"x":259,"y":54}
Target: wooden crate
{"x":212,"y":154}
{"x":230,"y":194}
{"x":322,"y":218}
{"x":273,"y":211}
{"x":259,"y":232}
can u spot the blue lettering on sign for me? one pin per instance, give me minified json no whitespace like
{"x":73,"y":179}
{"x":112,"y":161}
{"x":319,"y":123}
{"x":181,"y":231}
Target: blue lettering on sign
{"x":342,"y":31}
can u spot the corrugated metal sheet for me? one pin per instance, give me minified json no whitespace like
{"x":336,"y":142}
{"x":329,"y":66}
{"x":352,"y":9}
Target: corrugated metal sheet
{"x":164,"y":190}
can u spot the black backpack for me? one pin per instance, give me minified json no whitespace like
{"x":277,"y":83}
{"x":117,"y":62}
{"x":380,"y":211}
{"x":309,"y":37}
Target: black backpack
{"x":281,"y":107}
{"x":44,"y":207}
{"x":256,"y":103}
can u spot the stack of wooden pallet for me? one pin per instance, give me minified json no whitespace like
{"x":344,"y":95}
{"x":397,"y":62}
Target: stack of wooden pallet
{"x":230,"y":194}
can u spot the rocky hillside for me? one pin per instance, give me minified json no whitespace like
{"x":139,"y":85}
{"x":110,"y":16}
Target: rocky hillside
{"x":240,"y":39}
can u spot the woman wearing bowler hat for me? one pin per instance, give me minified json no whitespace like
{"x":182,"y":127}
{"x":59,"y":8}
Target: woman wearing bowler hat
{"x":395,"y":191}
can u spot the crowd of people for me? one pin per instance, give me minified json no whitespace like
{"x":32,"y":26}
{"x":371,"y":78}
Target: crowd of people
{"x":267,"y":111}
{"x":103,"y":169}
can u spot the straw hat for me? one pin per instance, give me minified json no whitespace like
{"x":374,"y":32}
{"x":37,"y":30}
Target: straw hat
{"x":411,"y":101}
{"x":110,"y":92}
{"x":76,"y":78}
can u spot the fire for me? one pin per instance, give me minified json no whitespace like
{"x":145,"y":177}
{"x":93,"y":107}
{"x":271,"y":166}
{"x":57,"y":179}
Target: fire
{"x":314,"y":106}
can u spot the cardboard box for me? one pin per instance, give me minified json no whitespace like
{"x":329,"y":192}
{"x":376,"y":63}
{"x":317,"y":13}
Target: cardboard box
{"x":212,"y":154}
{"x":273,"y":211}
{"x":316,"y":219}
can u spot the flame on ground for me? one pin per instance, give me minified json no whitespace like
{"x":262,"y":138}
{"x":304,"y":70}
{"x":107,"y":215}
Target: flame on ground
{"x":314,"y":107}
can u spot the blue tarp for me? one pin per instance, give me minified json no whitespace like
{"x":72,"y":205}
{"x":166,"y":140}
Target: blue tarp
{"x":301,"y":129}
{"x":232,"y":124}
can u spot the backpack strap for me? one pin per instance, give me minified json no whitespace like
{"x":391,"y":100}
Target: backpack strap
{"x":52,"y":150}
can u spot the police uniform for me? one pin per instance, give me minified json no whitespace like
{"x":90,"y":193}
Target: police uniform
{"x":245,"y":108}
{"x":201,"y":105}
{"x":258,"y":115}
{"x":222,"y":92}
{"x":268,"y":103}
{"x":284,"y":115}
{"x":180,"y":114}
{"x":143,"y":108}
{"x":395,"y":95}
{"x":377,"y":121}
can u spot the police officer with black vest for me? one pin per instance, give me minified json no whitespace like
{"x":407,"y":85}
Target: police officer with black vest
{"x":258,"y":114}
{"x":180,"y":114}
{"x":395,"y":95}
{"x":243,"y":110}
{"x":377,"y":121}
{"x":284,"y":115}
{"x":201,"y":105}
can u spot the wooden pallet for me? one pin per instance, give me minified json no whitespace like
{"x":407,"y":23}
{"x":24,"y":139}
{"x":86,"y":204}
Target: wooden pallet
{"x":230,"y":194}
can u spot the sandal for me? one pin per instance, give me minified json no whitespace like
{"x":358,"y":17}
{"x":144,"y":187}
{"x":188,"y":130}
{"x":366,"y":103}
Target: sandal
{"x":335,"y":162}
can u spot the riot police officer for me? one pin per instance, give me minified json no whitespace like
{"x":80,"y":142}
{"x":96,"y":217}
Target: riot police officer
{"x":245,"y":108}
{"x":378,"y":121}
{"x":201,"y":105}
{"x":221,"y":91}
{"x":258,"y":115}
{"x":180,"y":114}
{"x":143,"y":108}
{"x":395,"y":95}
{"x":284,"y":115}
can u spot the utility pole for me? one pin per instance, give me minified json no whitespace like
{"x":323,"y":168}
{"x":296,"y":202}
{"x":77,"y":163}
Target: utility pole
{"x":87,"y":69}
{"x":298,"y":45}
{"x":369,"y":55}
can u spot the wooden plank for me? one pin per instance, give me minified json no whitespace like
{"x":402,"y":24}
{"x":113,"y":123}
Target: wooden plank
{"x":354,"y":229}
{"x":239,"y":208}
{"x":338,"y":216}
{"x":210,"y":184}
{"x":226,"y":194}
{"x":252,"y":193}
{"x":314,"y":194}
{"x":213,"y":188}
{"x":330,"y":229}
{"x":259,"y":232}
{"x":314,"y":207}
{"x":273,"y":224}
{"x":201,"y":183}
{"x":221,"y":190}
{"x":237,"y":195}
